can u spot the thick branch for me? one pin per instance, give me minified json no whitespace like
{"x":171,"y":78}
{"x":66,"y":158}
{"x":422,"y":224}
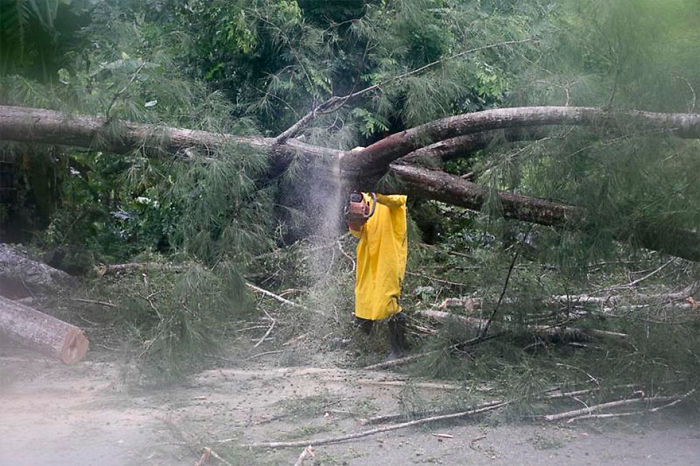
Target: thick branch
{"x":462,"y":146}
{"x":51,"y":127}
{"x":456,"y":191}
{"x":43,"y":126}
{"x":375,"y":158}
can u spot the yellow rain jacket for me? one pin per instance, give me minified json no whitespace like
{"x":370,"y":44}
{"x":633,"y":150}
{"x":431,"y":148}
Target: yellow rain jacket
{"x":381,"y":259}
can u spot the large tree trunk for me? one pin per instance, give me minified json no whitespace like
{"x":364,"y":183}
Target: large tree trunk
{"x":442,"y":138}
{"x":36,"y":125}
{"x":42,"y":332}
{"x":51,"y":127}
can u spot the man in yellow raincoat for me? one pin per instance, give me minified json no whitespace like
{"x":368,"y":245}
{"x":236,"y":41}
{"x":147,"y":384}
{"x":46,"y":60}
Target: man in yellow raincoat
{"x":381,"y":265}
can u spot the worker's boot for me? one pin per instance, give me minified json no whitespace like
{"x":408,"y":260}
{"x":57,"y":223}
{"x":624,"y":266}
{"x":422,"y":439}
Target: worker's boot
{"x":397,"y":336}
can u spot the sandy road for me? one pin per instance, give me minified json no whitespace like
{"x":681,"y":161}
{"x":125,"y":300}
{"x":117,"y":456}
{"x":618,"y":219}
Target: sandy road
{"x":84,"y":415}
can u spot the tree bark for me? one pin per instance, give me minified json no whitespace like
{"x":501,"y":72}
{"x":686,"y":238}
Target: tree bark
{"x":42,"y":332}
{"x":52,"y":127}
{"x":378,"y":156}
{"x":20,"y":276}
{"x":35,"y":125}
{"x":454,"y":190}
{"x":446,"y":137}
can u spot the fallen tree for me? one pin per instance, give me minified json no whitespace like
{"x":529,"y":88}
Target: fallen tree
{"x":42,"y":332}
{"x":444,"y":138}
{"x":98,"y":133}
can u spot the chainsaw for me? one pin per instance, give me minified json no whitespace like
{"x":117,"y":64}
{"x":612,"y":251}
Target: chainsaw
{"x":357,"y":211}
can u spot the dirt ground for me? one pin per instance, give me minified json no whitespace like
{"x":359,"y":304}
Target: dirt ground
{"x":86,"y":415}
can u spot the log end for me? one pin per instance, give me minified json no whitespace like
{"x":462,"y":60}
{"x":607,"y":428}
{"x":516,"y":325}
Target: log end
{"x":75,"y":346}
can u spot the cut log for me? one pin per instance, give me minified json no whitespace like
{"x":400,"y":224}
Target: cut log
{"x":42,"y":332}
{"x":21,"y":276}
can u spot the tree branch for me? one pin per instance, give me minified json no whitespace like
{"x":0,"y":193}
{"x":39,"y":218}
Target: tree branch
{"x":454,"y":190}
{"x":403,"y":425}
{"x":374,"y":159}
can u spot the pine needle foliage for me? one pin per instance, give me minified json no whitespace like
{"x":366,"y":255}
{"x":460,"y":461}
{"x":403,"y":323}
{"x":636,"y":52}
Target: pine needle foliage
{"x":215,"y":206}
{"x":224,"y":210}
{"x":178,"y":320}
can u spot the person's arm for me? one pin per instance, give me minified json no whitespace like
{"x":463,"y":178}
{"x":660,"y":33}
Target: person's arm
{"x":392,"y":200}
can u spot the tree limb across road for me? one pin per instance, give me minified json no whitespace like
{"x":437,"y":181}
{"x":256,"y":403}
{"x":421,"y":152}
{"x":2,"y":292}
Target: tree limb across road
{"x":443,"y":139}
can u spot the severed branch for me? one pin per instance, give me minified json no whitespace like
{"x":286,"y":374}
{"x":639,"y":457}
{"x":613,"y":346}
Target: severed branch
{"x":396,"y":417}
{"x":366,"y":433}
{"x":546,"y":331}
{"x":92,"y":301}
{"x":549,"y":394}
{"x":439,"y":280}
{"x":206,"y":454}
{"x":485,"y":328}
{"x":131,"y":267}
{"x":269,"y":330}
{"x":632,"y":413}
{"x":307,"y":453}
{"x":193,"y":443}
{"x":611,"y":404}
{"x":330,"y":105}
{"x":396,"y":362}
{"x":272,"y":295}
{"x":408,"y":383}
{"x":639,"y":280}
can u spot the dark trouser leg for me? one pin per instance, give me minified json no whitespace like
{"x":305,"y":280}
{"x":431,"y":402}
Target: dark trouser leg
{"x":364,"y":324}
{"x":397,"y":335}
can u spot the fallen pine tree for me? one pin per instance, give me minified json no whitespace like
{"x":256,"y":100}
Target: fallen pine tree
{"x":395,"y":154}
